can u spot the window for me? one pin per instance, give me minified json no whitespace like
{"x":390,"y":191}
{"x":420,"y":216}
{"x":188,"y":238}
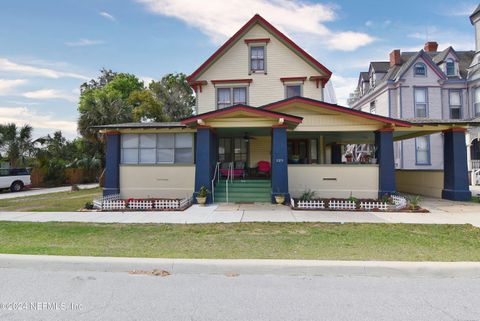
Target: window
{"x":450,"y":67}
{"x":421,"y":102}
{"x":420,"y":69}
{"x":224,"y":96}
{"x":232,"y":149}
{"x":422,"y":146}
{"x":476,"y":101}
{"x":257,"y":58}
{"x":157,"y":148}
{"x":455,"y":101}
{"x":373,"y":79}
{"x":293,"y":90}
{"x":373,"y":108}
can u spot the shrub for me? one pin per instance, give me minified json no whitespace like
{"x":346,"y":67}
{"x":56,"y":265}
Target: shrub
{"x":413,"y":201}
{"x":307,"y":195}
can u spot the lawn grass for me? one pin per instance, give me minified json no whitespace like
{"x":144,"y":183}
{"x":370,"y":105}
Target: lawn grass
{"x":404,"y":242}
{"x":53,"y":202}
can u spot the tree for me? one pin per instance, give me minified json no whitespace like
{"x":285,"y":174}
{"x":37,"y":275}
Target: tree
{"x":146,"y":106}
{"x":175,"y":94}
{"x":106,"y":75}
{"x":16,"y":144}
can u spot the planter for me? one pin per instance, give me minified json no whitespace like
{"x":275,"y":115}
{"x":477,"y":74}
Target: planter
{"x":373,"y":160}
{"x":201,"y":200}
{"x":280,"y":199}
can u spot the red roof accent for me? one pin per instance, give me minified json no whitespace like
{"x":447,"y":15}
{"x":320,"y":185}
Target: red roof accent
{"x":254,"y":110}
{"x":231,"y":81}
{"x":262,"y":40}
{"x":283,"y":79}
{"x":338,"y":108}
{"x":257,"y":18}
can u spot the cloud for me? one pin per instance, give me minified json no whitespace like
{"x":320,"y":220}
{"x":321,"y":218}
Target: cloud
{"x":462,"y":9}
{"x":444,"y":37}
{"x":10,"y":66}
{"x":107,"y":15}
{"x":220,"y":19}
{"x":84,"y":42}
{"x":343,"y":87}
{"x":6,"y":85}
{"x":23,"y":115}
{"x":50,"y":94}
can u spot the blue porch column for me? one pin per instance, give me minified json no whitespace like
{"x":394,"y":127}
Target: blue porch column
{"x":336,"y":154}
{"x":455,"y":171}
{"x":205,"y":155}
{"x":386,"y":162}
{"x":112,"y":164}
{"x":279,"y":163}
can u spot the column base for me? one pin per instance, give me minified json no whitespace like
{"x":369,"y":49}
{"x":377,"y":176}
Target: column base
{"x":456,"y":195}
{"x":110,"y":191}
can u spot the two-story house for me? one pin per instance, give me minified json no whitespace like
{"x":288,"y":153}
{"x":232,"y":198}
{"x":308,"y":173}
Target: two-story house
{"x":426,"y":85}
{"x":261,"y":128}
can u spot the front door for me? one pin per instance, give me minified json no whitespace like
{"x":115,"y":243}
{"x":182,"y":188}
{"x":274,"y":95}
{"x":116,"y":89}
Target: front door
{"x":232,"y":149}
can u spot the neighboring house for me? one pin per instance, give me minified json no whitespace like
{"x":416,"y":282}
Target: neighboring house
{"x":261,"y":119}
{"x":427,"y":85}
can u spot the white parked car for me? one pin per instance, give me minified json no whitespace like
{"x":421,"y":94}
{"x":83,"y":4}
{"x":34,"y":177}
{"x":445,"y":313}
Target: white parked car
{"x":15,"y":179}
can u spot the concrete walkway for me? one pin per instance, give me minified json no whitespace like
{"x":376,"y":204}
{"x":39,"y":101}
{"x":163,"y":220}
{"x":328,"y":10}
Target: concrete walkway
{"x":441,"y":212}
{"x":40,"y":191}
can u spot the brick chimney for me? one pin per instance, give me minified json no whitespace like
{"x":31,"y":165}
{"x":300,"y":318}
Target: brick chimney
{"x":395,"y":57}
{"x":431,"y":46}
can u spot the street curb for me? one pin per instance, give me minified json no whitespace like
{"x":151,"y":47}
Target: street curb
{"x":243,"y":266}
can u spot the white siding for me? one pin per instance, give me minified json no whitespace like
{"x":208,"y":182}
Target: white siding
{"x":265,"y":88}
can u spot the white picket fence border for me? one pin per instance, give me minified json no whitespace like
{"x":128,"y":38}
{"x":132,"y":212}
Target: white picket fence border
{"x":342,"y":205}
{"x":374,"y":205}
{"x":114,"y":203}
{"x":311,"y":204}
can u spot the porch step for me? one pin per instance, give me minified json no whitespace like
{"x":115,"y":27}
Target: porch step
{"x":243,"y":191}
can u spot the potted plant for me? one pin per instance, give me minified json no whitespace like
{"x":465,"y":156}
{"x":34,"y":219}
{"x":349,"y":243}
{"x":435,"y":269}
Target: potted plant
{"x":202,"y":195}
{"x":295,"y":159}
{"x":348,"y":157}
{"x":280,"y":198}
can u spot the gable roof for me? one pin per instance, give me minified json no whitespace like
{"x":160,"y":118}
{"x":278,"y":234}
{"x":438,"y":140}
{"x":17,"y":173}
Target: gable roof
{"x":245,"y":108}
{"x":380,"y":66}
{"x":335,"y":107}
{"x":472,"y":16}
{"x":257,"y":19}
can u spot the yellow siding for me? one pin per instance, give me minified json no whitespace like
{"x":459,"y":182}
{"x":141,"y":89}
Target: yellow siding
{"x":360,"y":181}
{"x":426,"y":183}
{"x":265,"y":88}
{"x":151,"y":181}
{"x":260,"y":149}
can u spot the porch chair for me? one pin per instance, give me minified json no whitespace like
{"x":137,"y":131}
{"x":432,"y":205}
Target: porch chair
{"x":263,"y":168}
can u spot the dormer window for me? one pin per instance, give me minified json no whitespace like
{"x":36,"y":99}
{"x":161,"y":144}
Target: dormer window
{"x":257,"y":58}
{"x":420,"y":69}
{"x":450,"y":67}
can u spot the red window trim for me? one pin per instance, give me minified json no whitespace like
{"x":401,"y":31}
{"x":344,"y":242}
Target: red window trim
{"x":231,"y":81}
{"x":257,"y":40}
{"x":285,"y":79}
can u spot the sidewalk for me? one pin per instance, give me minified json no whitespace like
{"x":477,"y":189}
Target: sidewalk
{"x":40,"y":191}
{"x":441,"y":212}
{"x":241,"y":266}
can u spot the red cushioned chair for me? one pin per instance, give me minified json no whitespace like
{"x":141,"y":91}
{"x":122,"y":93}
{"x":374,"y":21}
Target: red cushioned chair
{"x":263,"y":168}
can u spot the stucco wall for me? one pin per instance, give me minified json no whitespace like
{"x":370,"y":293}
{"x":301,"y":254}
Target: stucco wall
{"x":334,"y":180}
{"x":426,"y":183}
{"x":150,"y":181}
{"x":265,"y":88}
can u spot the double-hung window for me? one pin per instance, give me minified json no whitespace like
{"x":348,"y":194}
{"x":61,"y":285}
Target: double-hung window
{"x":450,"y":67}
{"x":373,"y":107}
{"x":422,"y":150}
{"x":257,"y":58}
{"x":455,"y":102}
{"x":229,"y":96}
{"x":171,"y":148}
{"x":293,"y":90}
{"x":476,"y":101}
{"x":421,"y":102}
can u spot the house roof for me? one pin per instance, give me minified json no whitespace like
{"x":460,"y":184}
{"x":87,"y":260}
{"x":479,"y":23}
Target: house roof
{"x":257,"y":19}
{"x":245,"y":108}
{"x":475,"y":12}
{"x":380,"y":66}
{"x":335,"y":107}
{"x":141,"y":125}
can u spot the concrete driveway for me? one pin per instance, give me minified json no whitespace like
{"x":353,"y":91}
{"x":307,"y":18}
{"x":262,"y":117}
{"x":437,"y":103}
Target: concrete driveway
{"x":40,"y":191}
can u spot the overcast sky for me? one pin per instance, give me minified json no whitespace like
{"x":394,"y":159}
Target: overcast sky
{"x":49,"y":48}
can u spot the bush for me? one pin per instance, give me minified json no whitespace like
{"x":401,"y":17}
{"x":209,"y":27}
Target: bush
{"x":413,"y":201}
{"x":307,"y":195}
{"x":55,"y":172}
{"x":75,"y":188}
{"x":89,"y":205}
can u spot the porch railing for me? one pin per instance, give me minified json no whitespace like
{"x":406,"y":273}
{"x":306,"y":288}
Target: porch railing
{"x":475,"y":164}
{"x":229,"y":178}
{"x":216,"y":175}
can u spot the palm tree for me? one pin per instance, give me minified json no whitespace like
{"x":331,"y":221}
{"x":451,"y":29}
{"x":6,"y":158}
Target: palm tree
{"x":16,"y":144}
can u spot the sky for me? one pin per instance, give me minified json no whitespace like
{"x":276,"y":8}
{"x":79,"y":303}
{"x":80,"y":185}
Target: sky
{"x":49,"y":48}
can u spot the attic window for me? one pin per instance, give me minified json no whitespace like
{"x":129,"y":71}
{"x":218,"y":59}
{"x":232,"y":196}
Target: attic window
{"x":257,"y":58}
{"x":420,"y":69}
{"x":450,"y":67}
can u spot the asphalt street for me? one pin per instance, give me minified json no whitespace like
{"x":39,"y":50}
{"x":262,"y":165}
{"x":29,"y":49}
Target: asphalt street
{"x":35,"y":294}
